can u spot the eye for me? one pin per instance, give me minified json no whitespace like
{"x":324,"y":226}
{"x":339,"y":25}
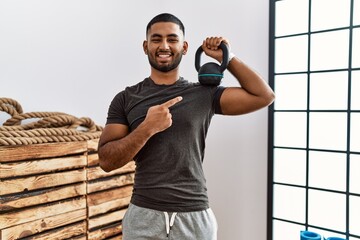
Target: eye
{"x":173,"y":40}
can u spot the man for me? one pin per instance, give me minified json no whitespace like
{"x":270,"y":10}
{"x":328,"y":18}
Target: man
{"x":161,"y":123}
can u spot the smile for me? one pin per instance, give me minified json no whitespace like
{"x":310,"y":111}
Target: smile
{"x":164,"y":55}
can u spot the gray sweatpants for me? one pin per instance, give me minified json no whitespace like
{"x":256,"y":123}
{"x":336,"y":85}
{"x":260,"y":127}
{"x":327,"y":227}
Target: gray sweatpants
{"x":145,"y":224}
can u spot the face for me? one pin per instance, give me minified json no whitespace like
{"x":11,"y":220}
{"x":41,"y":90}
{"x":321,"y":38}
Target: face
{"x":165,"y":46}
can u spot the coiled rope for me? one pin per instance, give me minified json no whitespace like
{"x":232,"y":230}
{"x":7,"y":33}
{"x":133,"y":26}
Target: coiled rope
{"x":47,"y":127}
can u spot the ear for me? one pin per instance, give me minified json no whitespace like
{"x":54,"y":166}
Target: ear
{"x":145,"y":47}
{"x":185,"y":47}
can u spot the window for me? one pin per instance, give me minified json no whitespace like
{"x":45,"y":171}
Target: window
{"x":314,"y":124}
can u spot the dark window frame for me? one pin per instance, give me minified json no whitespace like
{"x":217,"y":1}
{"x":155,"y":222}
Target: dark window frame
{"x":271,"y":121}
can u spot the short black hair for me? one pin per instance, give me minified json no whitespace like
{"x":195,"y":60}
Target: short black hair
{"x":166,"y":17}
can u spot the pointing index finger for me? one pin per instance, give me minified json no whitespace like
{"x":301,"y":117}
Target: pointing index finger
{"x":171,"y":102}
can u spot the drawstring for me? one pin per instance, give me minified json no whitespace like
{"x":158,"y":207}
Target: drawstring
{"x":169,"y":223}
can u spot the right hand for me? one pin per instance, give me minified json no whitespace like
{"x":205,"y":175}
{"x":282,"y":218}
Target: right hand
{"x":158,"y":117}
{"x":211,"y":47}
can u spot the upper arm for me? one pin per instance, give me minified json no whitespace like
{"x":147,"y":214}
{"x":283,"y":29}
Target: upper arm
{"x":236,"y":101}
{"x":112,"y":132}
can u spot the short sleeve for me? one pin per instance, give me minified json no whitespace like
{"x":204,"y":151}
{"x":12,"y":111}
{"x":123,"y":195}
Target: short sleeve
{"x":116,"y":111}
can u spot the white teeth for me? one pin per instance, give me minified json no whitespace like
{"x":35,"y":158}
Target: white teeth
{"x":164,"y":56}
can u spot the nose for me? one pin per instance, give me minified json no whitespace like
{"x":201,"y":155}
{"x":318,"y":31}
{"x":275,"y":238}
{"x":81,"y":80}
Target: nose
{"x":164,"y":45}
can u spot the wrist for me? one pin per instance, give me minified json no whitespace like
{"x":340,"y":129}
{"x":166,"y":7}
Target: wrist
{"x":231,"y":56}
{"x":145,"y":130}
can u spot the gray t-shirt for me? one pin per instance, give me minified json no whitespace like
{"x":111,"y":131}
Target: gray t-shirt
{"x":169,"y":174}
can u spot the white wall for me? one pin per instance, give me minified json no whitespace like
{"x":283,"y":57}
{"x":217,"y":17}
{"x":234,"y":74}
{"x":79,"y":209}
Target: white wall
{"x":74,"y":56}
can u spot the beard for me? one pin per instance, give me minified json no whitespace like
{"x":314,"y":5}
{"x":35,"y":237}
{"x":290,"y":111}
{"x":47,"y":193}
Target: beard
{"x":165,"y":68}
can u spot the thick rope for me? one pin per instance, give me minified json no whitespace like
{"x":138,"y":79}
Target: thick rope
{"x":8,"y":102}
{"x":48,"y":127}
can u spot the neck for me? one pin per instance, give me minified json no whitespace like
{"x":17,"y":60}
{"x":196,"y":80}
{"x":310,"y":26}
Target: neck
{"x":162,"y":78}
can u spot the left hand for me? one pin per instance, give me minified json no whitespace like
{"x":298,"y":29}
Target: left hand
{"x":211,"y":47}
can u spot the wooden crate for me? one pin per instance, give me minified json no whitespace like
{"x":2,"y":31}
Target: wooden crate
{"x":58,"y":191}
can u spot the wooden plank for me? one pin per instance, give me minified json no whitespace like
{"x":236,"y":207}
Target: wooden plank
{"x":109,"y":206}
{"x":105,"y":232}
{"x":93,"y":159}
{"x":37,"y":182}
{"x":119,"y":237}
{"x":110,"y":200}
{"x":115,"y":181}
{"x":112,"y":194}
{"x":40,"y":197}
{"x":82,"y":237}
{"x":97,"y":172}
{"x":92,"y":145}
{"x":41,"y":225}
{"x":31,"y":214}
{"x":17,"y":169}
{"x":106,"y":219}
{"x":36,"y":151}
{"x":62,"y":233}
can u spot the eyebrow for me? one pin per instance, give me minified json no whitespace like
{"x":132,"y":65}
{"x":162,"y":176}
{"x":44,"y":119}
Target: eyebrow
{"x":159,"y":35}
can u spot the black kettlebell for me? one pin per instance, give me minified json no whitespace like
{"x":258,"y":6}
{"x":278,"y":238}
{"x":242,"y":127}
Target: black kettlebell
{"x":211,"y":73}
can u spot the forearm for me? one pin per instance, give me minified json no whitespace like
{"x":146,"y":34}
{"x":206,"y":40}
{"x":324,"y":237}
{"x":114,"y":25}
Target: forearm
{"x":117,"y":146}
{"x":249,"y":80}
{"x":115,"y":154}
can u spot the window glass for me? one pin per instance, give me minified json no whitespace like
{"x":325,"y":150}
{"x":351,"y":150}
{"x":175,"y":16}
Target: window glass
{"x":327,"y":210}
{"x":290,"y":129}
{"x":290,"y":166}
{"x":356,"y":12}
{"x":327,"y":170}
{"x":328,"y":130}
{"x":291,"y":17}
{"x":291,"y":92}
{"x":355,"y":215}
{"x":330,"y":50}
{"x":355,"y":90}
{"x":355,"y":132}
{"x":356,"y":48}
{"x":289,"y":203}
{"x":286,"y":231}
{"x":291,"y":54}
{"x":329,"y":14}
{"x":329,"y":91}
{"x":355,"y":174}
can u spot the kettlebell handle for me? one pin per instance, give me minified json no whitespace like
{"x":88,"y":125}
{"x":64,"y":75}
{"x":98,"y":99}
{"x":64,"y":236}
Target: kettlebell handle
{"x":225,"y":60}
